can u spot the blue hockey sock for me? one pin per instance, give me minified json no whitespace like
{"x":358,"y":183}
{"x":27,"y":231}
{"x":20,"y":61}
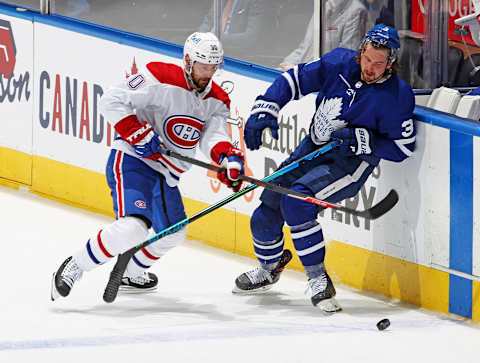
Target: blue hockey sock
{"x":306,"y":232}
{"x":266,"y":226}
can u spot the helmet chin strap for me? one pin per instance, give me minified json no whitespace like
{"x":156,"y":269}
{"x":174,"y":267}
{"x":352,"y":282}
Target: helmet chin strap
{"x":188,"y":72}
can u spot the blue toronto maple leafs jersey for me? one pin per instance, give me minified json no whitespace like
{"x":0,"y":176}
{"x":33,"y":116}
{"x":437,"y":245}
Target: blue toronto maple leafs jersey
{"x":385,"y":108}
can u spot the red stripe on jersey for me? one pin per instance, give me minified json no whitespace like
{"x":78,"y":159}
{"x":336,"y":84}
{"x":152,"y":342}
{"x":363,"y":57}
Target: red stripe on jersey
{"x":218,"y":93}
{"x":178,"y":170}
{"x":118,"y":177}
{"x":149,"y":255}
{"x":102,"y":247}
{"x":168,"y":73}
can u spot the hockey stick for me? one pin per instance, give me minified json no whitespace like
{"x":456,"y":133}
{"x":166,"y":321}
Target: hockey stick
{"x":118,"y":270}
{"x":373,"y":212}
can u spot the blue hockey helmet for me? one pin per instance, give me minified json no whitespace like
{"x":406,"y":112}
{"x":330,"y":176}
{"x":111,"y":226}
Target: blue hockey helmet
{"x":385,"y":35}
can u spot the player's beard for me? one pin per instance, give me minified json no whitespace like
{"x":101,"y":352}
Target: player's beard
{"x":203,"y":82}
{"x":200,"y":83}
{"x":370,"y":77}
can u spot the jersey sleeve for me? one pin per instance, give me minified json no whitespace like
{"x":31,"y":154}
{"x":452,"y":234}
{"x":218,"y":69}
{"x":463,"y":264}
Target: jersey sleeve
{"x":296,"y":83}
{"x":306,"y":78}
{"x":215,"y":132}
{"x":137,"y":92}
{"x":395,"y":140}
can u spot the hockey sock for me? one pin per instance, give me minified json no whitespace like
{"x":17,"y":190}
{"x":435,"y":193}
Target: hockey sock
{"x":114,"y":239}
{"x":266,"y":226}
{"x":306,"y":232}
{"x":147,"y":256}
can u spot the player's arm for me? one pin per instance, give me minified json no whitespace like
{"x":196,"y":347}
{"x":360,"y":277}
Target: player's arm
{"x":118,"y":105}
{"x":215,"y":143}
{"x":297,"y":82}
{"x":293,"y":84}
{"x":398,"y":143}
{"x":394,"y":138}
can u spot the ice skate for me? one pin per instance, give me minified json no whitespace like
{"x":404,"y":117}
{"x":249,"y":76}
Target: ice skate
{"x":260,"y":280}
{"x":62,"y":281}
{"x":147,"y":282}
{"x":323,"y":293}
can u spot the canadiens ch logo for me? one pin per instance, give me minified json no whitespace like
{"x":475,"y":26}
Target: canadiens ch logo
{"x":183,"y":131}
{"x":141,"y":204}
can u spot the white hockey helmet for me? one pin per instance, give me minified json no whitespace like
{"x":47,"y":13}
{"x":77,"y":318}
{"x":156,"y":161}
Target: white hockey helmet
{"x":204,"y":48}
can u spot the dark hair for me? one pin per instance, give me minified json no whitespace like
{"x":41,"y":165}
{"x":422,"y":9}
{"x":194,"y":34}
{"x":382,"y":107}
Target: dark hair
{"x":393,"y":70}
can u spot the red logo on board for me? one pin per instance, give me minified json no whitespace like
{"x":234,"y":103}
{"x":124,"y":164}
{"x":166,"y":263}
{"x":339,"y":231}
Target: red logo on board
{"x":7,"y":49}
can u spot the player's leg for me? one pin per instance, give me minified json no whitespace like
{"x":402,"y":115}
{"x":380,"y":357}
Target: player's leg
{"x":266,"y":226}
{"x":131,"y":182}
{"x":332,"y":182}
{"x":168,"y":209}
{"x":307,"y":236}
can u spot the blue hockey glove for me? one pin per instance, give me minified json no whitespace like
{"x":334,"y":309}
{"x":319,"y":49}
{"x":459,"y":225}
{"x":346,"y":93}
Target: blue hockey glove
{"x":263,"y":115}
{"x":148,"y":146}
{"x":354,"y":140}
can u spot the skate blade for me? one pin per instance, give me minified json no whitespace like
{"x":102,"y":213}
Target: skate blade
{"x":329,"y":306}
{"x":54,"y":294}
{"x":260,"y":290}
{"x":135,"y":290}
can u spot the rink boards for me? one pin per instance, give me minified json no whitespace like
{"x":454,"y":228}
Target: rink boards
{"x":55,"y":142}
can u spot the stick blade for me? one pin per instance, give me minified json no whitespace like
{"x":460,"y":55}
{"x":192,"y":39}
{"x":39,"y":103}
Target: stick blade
{"x":111,"y":290}
{"x":385,"y":205}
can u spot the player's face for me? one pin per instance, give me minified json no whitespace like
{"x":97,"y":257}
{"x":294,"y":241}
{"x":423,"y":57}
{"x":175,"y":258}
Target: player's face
{"x":374,"y":63}
{"x":202,"y":74}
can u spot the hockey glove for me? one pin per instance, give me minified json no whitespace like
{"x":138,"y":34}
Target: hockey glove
{"x":148,"y":146}
{"x":354,"y":140}
{"x":263,"y":115}
{"x":232,"y":160}
{"x":141,"y":136}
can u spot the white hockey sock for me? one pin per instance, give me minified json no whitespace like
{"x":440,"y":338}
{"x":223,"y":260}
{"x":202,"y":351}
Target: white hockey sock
{"x":114,"y":239}
{"x":147,"y":256}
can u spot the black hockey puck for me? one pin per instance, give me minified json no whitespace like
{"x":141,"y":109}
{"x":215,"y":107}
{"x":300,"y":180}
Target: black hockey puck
{"x":383,"y":324}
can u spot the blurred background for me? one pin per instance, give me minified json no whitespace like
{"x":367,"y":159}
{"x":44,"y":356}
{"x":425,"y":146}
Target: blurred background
{"x":281,"y":33}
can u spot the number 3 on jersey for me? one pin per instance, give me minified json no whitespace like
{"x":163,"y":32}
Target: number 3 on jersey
{"x":407,"y":128}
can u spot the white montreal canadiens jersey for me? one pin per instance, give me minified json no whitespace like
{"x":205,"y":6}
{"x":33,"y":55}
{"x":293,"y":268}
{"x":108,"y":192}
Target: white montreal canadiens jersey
{"x":184,"y":118}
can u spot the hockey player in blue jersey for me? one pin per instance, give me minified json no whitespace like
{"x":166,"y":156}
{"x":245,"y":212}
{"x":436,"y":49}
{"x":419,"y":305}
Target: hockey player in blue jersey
{"x":360,"y":101}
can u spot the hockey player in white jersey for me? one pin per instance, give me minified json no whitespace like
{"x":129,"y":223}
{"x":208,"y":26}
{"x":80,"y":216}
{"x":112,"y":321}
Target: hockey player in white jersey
{"x":162,"y":106}
{"x":361,"y":101}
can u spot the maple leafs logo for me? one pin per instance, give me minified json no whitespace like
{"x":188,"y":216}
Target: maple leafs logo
{"x":325,"y":121}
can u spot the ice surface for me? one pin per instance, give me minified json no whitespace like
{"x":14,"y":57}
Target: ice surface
{"x":193,"y":317}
